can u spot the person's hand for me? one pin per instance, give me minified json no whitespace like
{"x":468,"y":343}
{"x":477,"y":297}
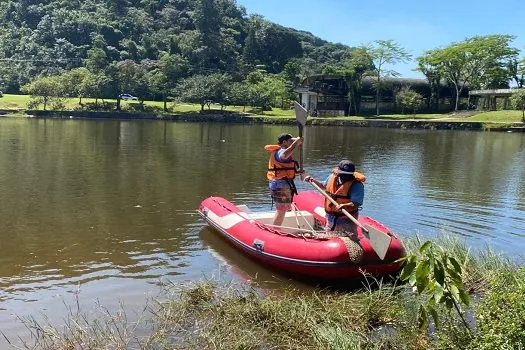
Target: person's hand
{"x":299,"y":141}
{"x":346,"y":206}
{"x":308,"y":178}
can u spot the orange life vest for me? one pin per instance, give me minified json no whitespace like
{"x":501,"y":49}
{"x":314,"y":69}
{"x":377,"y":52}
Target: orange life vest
{"x":279,"y":170}
{"x":340,"y":194}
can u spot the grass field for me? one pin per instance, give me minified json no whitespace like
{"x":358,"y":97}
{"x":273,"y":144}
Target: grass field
{"x":498,"y":116}
{"x":19,"y":102}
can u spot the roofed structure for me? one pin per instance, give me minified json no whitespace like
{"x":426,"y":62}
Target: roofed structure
{"x":328,"y":95}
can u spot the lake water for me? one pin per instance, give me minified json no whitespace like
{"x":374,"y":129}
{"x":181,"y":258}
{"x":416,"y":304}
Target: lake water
{"x":104,"y":210}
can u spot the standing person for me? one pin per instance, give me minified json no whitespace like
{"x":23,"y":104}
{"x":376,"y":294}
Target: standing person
{"x":346,"y":187}
{"x":282,"y":169}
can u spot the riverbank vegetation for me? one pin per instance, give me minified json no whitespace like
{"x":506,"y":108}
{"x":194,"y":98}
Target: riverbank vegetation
{"x":211,"y":52}
{"x":378,"y":315}
{"x":14,"y":105}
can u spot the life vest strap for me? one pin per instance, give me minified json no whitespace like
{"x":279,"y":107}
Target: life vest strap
{"x":281,"y":169}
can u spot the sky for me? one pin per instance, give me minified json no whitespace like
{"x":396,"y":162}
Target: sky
{"x":416,"y":25}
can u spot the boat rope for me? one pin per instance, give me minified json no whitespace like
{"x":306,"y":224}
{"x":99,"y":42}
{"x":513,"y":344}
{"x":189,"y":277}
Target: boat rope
{"x":296,"y":210}
{"x":221,"y":205}
{"x":306,"y":236}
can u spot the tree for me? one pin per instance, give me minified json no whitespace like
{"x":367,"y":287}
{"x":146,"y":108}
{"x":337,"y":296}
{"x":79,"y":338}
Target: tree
{"x":73,"y":82}
{"x":477,"y":61}
{"x":161,"y":80}
{"x":266,"y":89}
{"x":53,"y":36}
{"x":129,"y":77}
{"x":292,"y":72}
{"x":44,"y":90}
{"x":250,"y":52}
{"x":205,"y":89}
{"x":518,"y":101}
{"x":208,"y":23}
{"x":434,"y":77}
{"x":239,"y":95}
{"x":93,"y":85}
{"x":158,"y":84}
{"x":409,"y":99}
{"x":385,"y":52}
{"x":353,"y":67}
{"x":516,"y":70}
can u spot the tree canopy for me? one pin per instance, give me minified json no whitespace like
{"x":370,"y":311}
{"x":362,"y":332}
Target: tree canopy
{"x":479,"y":62}
{"x":211,"y":36}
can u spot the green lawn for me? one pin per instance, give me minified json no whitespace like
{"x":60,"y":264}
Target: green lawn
{"x":13,"y":101}
{"x":497,"y":117}
{"x":19,"y":102}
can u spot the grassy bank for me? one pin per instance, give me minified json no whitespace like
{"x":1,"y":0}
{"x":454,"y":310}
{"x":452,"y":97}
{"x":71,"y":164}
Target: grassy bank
{"x":494,"y":119}
{"x":381,"y":316}
{"x":20,"y":102}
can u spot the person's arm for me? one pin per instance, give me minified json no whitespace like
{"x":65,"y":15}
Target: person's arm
{"x":288,"y":152}
{"x":318,"y":183}
{"x":312,"y":180}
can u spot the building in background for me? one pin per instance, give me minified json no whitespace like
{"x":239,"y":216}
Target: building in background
{"x":329,"y":95}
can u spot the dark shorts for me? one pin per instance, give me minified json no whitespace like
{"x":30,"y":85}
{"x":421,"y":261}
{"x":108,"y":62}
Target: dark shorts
{"x":282,"y":197}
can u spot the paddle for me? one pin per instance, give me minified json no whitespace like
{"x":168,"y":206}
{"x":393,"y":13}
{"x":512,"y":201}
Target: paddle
{"x":380,"y":241}
{"x":301,"y":114}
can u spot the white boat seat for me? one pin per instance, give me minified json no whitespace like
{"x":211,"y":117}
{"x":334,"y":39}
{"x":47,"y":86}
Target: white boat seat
{"x":244,"y":208}
{"x":298,"y":219}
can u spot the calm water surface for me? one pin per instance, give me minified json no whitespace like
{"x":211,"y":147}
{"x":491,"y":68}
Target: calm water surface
{"x":105,"y":210}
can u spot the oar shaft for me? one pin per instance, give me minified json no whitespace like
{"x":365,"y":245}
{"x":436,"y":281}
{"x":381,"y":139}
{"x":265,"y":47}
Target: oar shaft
{"x":327,"y":196}
{"x":301,"y":152}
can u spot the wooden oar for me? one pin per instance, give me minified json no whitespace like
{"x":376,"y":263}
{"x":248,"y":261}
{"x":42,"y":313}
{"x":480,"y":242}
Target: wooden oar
{"x":380,"y":241}
{"x":301,"y":114}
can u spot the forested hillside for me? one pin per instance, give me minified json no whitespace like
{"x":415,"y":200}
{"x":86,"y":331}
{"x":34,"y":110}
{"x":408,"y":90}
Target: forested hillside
{"x":50,"y":37}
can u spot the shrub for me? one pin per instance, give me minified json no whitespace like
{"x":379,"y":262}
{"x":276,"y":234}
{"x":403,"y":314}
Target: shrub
{"x":518,"y":102}
{"x":409,"y":100}
{"x":501,"y":316}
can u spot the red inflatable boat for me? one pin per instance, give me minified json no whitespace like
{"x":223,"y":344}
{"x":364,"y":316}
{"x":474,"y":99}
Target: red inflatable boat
{"x":300,"y":246}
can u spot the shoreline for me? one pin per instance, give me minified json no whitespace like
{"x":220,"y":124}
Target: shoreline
{"x":234,"y":117}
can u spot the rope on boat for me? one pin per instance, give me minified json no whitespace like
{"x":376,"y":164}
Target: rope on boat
{"x":296,"y":210}
{"x":306,"y":236}
{"x":221,"y":205}
{"x":355,"y":251}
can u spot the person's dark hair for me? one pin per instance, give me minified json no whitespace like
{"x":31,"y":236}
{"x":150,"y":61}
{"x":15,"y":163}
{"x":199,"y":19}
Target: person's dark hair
{"x":283,"y":137}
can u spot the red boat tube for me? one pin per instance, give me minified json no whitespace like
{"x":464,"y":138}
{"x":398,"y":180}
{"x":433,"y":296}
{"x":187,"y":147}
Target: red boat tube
{"x":295,"y":247}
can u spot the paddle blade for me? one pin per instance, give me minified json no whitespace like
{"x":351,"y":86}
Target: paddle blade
{"x":380,"y":241}
{"x":300,"y":113}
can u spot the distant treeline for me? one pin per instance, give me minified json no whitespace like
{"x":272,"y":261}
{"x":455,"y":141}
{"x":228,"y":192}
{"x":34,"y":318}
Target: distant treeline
{"x":209,"y":50}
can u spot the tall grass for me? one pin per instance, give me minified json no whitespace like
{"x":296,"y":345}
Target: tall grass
{"x":210,"y":315}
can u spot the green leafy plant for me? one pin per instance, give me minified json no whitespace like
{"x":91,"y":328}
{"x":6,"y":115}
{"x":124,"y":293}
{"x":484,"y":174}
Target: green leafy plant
{"x":501,"y":314}
{"x":518,"y":101}
{"x":436,"y":276}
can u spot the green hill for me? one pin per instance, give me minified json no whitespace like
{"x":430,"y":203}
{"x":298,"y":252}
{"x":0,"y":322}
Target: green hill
{"x":53,"y":36}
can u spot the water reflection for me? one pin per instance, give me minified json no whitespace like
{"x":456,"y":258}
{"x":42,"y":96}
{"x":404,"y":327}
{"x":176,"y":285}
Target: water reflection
{"x":110,"y":205}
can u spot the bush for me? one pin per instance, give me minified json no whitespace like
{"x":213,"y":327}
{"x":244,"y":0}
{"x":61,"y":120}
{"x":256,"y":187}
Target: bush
{"x":101,"y":106}
{"x":140,"y":107}
{"x":57,"y":104}
{"x":409,"y":100}
{"x":1,"y":94}
{"x":501,"y":316}
{"x":518,"y":102}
